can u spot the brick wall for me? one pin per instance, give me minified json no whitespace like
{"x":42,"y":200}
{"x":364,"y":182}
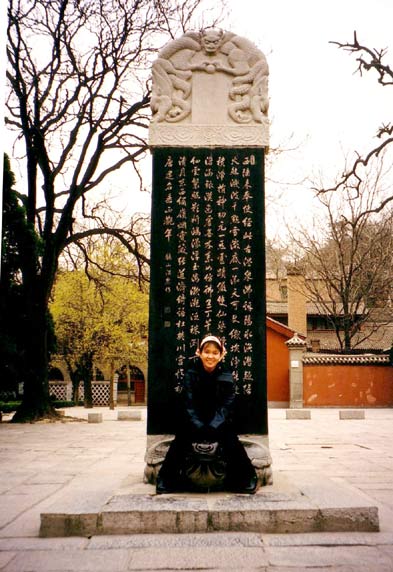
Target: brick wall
{"x":297,"y":311}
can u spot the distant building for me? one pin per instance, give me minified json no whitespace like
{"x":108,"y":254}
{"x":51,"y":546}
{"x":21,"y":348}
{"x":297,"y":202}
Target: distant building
{"x":286,"y":302}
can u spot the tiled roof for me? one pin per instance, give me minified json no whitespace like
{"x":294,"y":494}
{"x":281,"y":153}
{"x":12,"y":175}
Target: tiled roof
{"x":319,"y":359}
{"x":274,"y":307}
{"x":382,"y":339}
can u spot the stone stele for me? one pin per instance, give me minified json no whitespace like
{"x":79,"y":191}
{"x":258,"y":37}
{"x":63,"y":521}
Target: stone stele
{"x":209,"y":92}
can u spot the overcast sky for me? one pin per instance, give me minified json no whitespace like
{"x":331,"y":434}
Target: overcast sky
{"x":314,"y":93}
{"x":313,"y":87}
{"x":315,"y":96}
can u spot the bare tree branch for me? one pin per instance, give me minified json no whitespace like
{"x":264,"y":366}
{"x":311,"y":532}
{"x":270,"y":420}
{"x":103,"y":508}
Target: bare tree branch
{"x":368,"y":59}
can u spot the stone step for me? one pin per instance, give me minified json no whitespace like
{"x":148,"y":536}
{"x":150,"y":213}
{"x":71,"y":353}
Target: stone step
{"x":281,"y":508}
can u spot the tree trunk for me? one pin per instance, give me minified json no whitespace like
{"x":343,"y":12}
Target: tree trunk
{"x":75,"y":391}
{"x":87,"y":372}
{"x":75,"y":379}
{"x":347,"y":334}
{"x":36,"y":403}
{"x":88,"y":402}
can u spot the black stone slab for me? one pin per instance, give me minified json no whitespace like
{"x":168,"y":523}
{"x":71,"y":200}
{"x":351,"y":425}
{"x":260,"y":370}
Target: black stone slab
{"x":207,"y":275}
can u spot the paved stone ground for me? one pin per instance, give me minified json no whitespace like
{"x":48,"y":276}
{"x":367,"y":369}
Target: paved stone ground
{"x":81,"y":464}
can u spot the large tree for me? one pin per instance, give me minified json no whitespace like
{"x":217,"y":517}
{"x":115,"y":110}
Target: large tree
{"x":17,"y":234}
{"x":97,"y":321}
{"x":364,"y":282}
{"x":78,"y":98}
{"x":347,"y":260}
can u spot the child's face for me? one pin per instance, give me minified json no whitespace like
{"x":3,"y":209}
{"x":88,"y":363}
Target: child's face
{"x":210,"y":356}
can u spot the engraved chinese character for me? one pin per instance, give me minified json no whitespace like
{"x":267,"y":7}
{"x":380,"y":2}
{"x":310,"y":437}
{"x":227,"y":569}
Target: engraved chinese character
{"x":250,"y":160}
{"x":234,"y":259}
{"x":246,"y":172}
{"x":247,"y":389}
{"x":235,"y":334}
{"x":247,"y":321}
{"x":247,"y":209}
{"x":221,"y":301}
{"x":234,"y":183}
{"x":247,"y":196}
{"x":247,"y":306}
{"x":195,"y":184}
{"x":195,"y":291}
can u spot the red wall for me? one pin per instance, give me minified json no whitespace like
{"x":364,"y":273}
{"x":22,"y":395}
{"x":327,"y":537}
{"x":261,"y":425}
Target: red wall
{"x":347,"y":385}
{"x":277,"y":366}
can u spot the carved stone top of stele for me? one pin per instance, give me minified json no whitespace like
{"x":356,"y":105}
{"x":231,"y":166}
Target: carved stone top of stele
{"x":210,"y":88}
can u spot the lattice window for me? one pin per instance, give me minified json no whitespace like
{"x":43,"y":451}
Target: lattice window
{"x":100,"y":391}
{"x":58,"y":390}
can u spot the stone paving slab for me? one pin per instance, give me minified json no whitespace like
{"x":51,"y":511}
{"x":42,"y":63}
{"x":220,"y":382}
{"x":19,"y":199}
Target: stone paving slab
{"x":166,"y":540}
{"x":150,"y":552}
{"x":200,"y":558}
{"x":369,"y":558}
{"x":70,"y":560}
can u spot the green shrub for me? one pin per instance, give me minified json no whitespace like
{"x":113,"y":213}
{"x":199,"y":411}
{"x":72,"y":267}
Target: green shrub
{"x":9,"y":406}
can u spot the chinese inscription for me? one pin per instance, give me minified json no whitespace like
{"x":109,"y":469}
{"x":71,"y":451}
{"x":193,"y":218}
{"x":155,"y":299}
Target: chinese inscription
{"x":210,"y":206}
